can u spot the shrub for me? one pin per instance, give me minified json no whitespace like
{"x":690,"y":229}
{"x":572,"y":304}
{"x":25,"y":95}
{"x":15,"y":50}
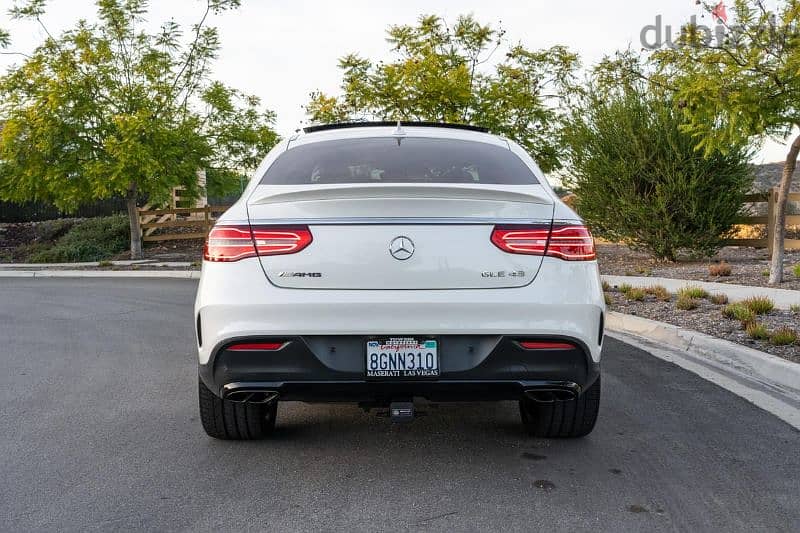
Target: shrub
{"x":757,"y":331}
{"x":606,"y":286}
{"x":795,"y":308}
{"x":760,"y":305}
{"x":686,"y":303}
{"x":783,"y":337}
{"x":636,"y":295}
{"x":796,"y":270}
{"x":94,"y":239}
{"x":607,"y":297}
{"x":739,"y":312}
{"x":693,"y":292}
{"x":660,"y":293}
{"x":719,"y":299}
{"x":720,"y":269}
{"x":639,"y":179}
{"x":624,"y":288}
{"x":643,"y":271}
{"x":765,"y":272}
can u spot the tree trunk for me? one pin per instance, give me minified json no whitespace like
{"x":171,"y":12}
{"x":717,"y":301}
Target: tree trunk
{"x":776,"y":267}
{"x":133,"y":218}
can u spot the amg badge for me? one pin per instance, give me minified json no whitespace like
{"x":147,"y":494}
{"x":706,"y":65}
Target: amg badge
{"x":299,"y":274}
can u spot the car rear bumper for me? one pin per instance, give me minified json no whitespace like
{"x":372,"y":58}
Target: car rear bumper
{"x":332,"y":368}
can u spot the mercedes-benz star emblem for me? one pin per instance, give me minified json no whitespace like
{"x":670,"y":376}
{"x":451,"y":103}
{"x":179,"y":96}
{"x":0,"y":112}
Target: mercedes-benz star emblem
{"x":401,"y":248}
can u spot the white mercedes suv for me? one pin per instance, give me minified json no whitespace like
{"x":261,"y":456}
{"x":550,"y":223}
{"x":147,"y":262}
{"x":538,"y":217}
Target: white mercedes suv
{"x":379,"y":262}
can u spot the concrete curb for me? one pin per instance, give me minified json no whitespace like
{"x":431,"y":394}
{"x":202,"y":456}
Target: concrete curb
{"x":746,"y":363}
{"x":783,"y":298}
{"x":172,"y":274}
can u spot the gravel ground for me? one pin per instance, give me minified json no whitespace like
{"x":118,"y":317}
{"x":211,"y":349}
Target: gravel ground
{"x":708,"y":319}
{"x":747,"y":265}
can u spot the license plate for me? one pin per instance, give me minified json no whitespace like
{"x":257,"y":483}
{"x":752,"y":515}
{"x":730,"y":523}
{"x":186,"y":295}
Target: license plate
{"x":402,"y":357}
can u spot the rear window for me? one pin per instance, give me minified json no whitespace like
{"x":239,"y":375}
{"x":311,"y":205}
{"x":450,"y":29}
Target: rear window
{"x":392,"y":160}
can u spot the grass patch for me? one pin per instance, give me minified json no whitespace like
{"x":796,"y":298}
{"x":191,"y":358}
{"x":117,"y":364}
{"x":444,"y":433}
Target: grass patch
{"x":686,"y":303}
{"x":760,"y":305}
{"x":719,"y":299}
{"x":765,"y":273}
{"x":739,"y":312}
{"x":757,"y":331}
{"x":783,"y":337}
{"x":796,"y":270}
{"x":693,"y":292}
{"x":637,"y":295}
{"x":795,"y":309}
{"x":607,"y":297}
{"x":659,"y":292}
{"x":624,"y":288}
{"x":720,"y":269}
{"x":95,"y":239}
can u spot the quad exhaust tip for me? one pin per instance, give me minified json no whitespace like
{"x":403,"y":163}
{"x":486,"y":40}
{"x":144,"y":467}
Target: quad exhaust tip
{"x":550,"y":395}
{"x":252,"y":396}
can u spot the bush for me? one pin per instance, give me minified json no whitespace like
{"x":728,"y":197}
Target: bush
{"x":760,"y":305}
{"x":796,"y":270}
{"x":739,"y":312}
{"x":94,"y":239}
{"x":624,"y":288}
{"x":639,"y":178}
{"x":795,"y":309}
{"x":757,"y":331}
{"x":607,"y":297}
{"x":693,"y":292}
{"x":720,"y":269}
{"x":783,"y":337}
{"x":606,"y":286}
{"x":686,"y":303}
{"x":719,"y":299}
{"x":660,"y":293}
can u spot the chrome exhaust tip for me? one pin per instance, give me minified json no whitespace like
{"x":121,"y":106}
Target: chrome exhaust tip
{"x":550,"y":395}
{"x":251,"y":396}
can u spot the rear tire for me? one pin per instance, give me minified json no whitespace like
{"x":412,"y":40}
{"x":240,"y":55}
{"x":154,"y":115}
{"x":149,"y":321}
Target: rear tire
{"x":227,"y":420}
{"x":562,"y":419}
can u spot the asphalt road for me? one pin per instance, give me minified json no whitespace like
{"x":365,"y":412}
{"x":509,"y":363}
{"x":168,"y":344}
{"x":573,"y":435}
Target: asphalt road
{"x":100,"y":432}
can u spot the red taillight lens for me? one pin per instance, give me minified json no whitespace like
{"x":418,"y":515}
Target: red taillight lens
{"x":256,"y":346}
{"x":232,"y":243}
{"x":565,"y":241}
{"x":546,"y":345}
{"x":571,"y":243}
{"x":531,"y":240}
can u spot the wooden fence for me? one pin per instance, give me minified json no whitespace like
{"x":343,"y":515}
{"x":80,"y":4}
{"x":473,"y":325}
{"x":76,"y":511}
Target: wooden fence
{"x":770,"y":198}
{"x":197,"y":220}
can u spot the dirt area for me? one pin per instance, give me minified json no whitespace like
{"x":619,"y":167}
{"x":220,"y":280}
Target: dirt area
{"x":748,"y":266}
{"x":708,"y":318}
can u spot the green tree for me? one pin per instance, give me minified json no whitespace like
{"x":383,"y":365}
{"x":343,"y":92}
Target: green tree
{"x":439,"y":73}
{"x":108,"y":109}
{"x":742,"y":86}
{"x":638,"y":177}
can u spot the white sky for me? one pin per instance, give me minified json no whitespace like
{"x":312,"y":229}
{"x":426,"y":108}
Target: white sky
{"x":282,"y":50}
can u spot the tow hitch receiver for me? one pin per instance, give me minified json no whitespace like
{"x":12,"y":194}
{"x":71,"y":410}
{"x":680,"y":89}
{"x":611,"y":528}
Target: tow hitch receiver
{"x":401,"y":412}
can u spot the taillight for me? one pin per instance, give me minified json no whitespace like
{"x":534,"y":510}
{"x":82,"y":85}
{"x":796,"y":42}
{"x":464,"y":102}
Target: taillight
{"x":564,"y":241}
{"x":232,"y":243}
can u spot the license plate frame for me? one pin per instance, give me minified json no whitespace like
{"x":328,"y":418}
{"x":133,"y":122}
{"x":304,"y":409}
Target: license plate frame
{"x":392,"y":359}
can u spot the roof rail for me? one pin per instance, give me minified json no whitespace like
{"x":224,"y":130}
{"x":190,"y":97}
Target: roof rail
{"x":384,"y":123}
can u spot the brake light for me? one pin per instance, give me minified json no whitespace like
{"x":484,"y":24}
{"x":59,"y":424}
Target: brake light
{"x":232,"y":243}
{"x":564,"y":241}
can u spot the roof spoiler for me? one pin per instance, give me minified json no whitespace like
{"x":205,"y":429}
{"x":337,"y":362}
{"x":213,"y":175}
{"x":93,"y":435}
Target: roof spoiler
{"x":385,"y":123}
